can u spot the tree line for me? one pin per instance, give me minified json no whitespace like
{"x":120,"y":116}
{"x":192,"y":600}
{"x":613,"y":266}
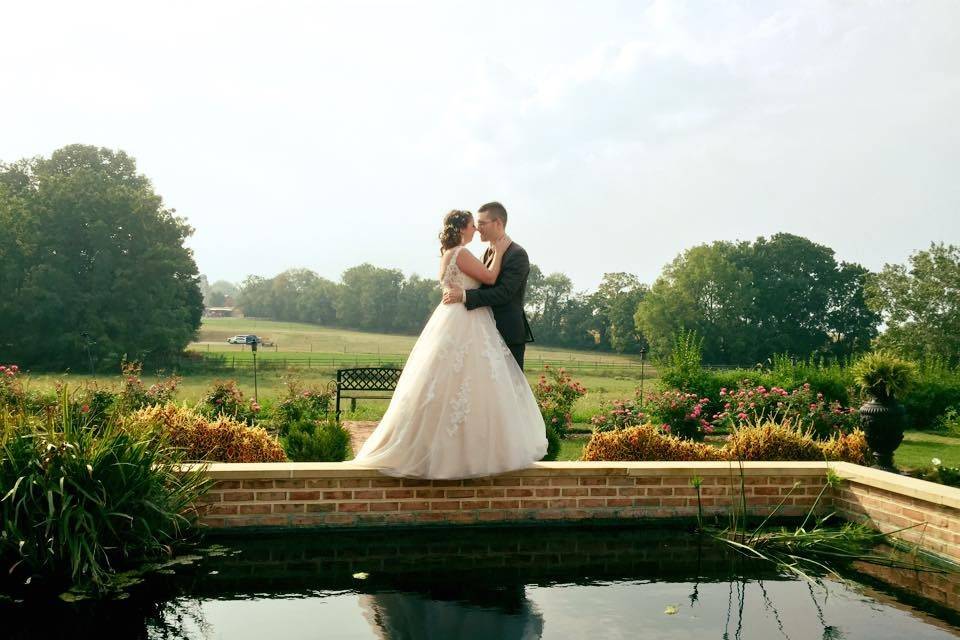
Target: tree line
{"x":95,"y":268}
{"x":749,"y":300}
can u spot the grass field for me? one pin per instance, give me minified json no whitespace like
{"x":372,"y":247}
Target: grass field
{"x":300,"y":341}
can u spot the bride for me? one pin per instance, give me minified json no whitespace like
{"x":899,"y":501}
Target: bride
{"x":462,"y":407}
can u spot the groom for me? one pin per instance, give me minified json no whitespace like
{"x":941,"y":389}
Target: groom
{"x":505,"y":296}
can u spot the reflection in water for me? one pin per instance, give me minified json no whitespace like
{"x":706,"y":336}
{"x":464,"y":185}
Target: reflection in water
{"x":553,"y":583}
{"x":505,"y":614}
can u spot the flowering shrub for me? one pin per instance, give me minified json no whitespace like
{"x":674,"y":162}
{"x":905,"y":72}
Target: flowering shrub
{"x":803,"y":407}
{"x":221,"y":440}
{"x":625,"y":413}
{"x":134,"y":394}
{"x":556,"y":396}
{"x":11,"y":386}
{"x":680,"y":414}
{"x":300,"y":404}
{"x":226,"y":398}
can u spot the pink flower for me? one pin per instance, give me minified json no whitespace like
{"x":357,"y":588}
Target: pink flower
{"x":665,"y":427}
{"x":85,"y":409}
{"x":742,"y":415}
{"x":14,"y":368}
{"x":723,"y":391}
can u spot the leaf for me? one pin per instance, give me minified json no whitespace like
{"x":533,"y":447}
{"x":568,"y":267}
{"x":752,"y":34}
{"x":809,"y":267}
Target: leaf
{"x":672,"y":609}
{"x":361,"y":575}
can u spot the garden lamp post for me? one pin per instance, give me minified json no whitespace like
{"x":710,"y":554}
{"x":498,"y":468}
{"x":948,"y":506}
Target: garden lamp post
{"x":642,"y":352}
{"x":253,"y":348}
{"x":87,"y":342}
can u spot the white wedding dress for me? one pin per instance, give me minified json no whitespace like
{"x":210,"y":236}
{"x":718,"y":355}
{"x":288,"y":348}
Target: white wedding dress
{"x":462,"y":407}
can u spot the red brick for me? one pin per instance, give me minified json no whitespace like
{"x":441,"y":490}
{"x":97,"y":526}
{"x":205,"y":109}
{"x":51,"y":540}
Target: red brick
{"x":353,"y":507}
{"x":591,"y":502}
{"x":306,"y":495}
{"x":547,"y":492}
{"x":519,"y":493}
{"x":290,"y":484}
{"x":354,"y":483}
{"x":321,"y":507}
{"x":383,"y":506}
{"x":386,"y":482}
{"x":563,"y":503}
{"x":619,"y":502}
{"x":226,"y":484}
{"x":604,"y":491}
{"x":537,"y":481}
{"x":415,"y":505}
{"x":337,"y":495}
{"x":475,"y":504}
{"x":376,"y":494}
{"x":460,"y":493}
{"x":430,"y":493}
{"x":258,"y":484}
{"x":535,"y":504}
{"x":250,"y":509}
{"x":444,"y":505}
{"x":321,"y":483}
{"x":575,"y":491}
{"x":240,"y":496}
{"x":398,"y":493}
{"x":289,"y":507}
{"x":491,"y":493}
{"x":271,"y":495}
{"x":504,"y":504}
{"x":593,"y":482}
{"x":655,"y":491}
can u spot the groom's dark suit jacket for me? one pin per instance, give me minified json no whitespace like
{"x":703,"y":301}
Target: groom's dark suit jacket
{"x":505,"y":296}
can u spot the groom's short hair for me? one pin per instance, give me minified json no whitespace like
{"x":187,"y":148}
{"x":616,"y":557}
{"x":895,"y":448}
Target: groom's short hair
{"x":496,"y":211}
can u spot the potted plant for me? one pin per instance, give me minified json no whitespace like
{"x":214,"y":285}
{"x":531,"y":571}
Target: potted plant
{"x":883,"y":377}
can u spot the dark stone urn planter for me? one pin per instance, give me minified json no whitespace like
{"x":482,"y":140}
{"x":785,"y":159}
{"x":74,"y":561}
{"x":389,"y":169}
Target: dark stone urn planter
{"x":883,"y":421}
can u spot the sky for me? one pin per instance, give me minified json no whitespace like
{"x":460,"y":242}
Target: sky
{"x":322,"y":135}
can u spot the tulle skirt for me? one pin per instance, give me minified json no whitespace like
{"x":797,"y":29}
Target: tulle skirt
{"x":462,"y":407}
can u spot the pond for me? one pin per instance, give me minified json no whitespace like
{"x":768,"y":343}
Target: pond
{"x":499,"y":583}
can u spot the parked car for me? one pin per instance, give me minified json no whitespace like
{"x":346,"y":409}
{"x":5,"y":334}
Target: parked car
{"x":245,"y":339}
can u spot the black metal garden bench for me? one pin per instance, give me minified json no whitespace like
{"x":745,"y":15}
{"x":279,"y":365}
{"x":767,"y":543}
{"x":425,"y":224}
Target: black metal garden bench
{"x":363,"y":383}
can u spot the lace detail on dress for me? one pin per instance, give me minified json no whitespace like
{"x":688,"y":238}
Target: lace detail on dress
{"x":493,"y":355}
{"x":451,"y":274}
{"x":460,"y":406}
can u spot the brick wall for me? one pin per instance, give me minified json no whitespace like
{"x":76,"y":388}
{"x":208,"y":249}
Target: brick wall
{"x":340,"y":495}
{"x":891,"y":502}
{"x":343,"y":495}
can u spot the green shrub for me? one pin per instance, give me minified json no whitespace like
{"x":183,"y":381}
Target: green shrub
{"x":936,"y":390}
{"x":553,"y":445}
{"x":81,"y":504}
{"x":317,"y":441}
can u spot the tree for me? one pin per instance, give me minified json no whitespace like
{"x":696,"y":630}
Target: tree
{"x":369,"y":297}
{"x":920,"y":304}
{"x":88,"y":248}
{"x":702,"y":290}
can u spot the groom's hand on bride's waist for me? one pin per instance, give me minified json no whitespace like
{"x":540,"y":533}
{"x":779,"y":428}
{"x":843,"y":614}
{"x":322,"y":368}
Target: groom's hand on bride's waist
{"x":454,"y":295}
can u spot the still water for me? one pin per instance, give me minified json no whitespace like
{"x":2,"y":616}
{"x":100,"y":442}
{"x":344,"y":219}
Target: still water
{"x":504,"y":583}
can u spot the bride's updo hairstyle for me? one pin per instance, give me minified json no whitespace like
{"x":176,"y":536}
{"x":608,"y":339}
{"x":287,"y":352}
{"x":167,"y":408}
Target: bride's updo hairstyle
{"x":453,"y":225}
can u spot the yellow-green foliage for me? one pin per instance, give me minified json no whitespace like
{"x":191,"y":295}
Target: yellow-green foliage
{"x":645,"y":442}
{"x":768,"y":441}
{"x":220,"y":440}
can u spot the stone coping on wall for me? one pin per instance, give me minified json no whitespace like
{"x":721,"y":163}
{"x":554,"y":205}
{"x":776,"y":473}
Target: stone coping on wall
{"x":344,"y":495}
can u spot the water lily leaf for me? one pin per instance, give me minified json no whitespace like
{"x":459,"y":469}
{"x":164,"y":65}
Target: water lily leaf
{"x":672,"y":610}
